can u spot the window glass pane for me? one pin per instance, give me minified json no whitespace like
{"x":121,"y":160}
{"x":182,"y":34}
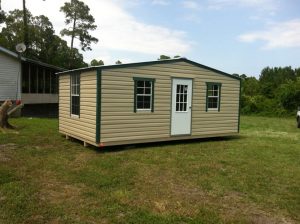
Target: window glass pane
{"x":147,"y":83}
{"x":147,"y":90}
{"x":147,"y":105}
{"x":185,"y":87}
{"x":140,"y":90}
{"x":185,"y":98}
{"x":181,"y":97}
{"x":178,"y":89}
{"x":140,"y":83}
{"x":213,"y":102}
{"x":184,"y":107}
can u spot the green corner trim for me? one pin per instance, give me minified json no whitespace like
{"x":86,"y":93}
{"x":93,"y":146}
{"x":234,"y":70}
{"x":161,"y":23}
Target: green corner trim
{"x":239,"y":118}
{"x":98,"y":106}
{"x":134,"y":92}
{"x":208,"y":84}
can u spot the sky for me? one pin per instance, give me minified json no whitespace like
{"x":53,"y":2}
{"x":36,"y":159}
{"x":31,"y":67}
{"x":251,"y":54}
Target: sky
{"x":234,"y":36}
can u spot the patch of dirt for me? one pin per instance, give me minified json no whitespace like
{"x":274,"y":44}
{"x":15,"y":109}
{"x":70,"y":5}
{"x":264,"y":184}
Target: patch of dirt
{"x":5,"y":151}
{"x":56,"y":192}
{"x":162,"y":192}
{"x":8,"y":146}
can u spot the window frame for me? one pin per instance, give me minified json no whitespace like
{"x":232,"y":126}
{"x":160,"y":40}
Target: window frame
{"x":185,"y":98}
{"x":152,"y":81}
{"x":208,"y":86}
{"x":77,"y":94}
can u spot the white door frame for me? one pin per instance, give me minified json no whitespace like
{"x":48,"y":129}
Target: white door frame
{"x":181,"y":112}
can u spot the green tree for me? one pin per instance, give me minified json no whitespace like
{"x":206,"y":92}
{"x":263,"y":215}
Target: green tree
{"x":44,"y":44}
{"x":177,"y":56}
{"x":94,"y":62}
{"x":163,"y":57}
{"x":288,"y":95}
{"x":118,"y":62}
{"x":2,"y":14}
{"x":250,"y":86}
{"x":78,"y":16}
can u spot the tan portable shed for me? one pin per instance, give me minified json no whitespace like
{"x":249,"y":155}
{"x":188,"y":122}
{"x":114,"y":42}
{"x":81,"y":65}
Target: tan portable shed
{"x":148,"y":102}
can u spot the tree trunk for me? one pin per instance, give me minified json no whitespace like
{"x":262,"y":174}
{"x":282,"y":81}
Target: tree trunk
{"x":25,"y":22}
{"x":4,"y":116}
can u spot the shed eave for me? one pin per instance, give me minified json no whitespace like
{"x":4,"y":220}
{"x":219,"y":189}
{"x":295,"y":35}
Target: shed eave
{"x":148,"y":63}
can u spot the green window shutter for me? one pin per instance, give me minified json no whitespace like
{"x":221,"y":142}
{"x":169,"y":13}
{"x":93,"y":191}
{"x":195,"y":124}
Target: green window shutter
{"x":134,"y":96}
{"x":152,"y":106}
{"x":219,"y":100}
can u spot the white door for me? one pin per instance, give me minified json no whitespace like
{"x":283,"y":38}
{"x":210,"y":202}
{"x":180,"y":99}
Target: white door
{"x":181,"y":106}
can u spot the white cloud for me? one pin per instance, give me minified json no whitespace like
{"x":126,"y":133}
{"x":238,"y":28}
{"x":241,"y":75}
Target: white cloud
{"x":160,"y":2}
{"x":262,"y":5}
{"x":278,"y":35}
{"x":189,"y":4}
{"x":117,"y":29}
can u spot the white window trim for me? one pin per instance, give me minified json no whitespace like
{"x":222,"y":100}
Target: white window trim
{"x":143,"y":94}
{"x":74,"y":94}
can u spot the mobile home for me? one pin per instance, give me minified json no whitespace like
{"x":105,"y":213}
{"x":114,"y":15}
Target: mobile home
{"x":148,"y":102}
{"x":31,"y":81}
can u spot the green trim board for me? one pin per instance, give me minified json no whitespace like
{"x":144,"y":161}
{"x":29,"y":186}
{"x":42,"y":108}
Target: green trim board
{"x":208,"y":84}
{"x":169,"y":61}
{"x":135,"y":79}
{"x":239,"y":116}
{"x":98,"y":106}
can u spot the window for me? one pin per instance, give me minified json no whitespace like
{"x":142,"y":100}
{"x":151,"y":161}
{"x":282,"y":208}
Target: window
{"x":75,"y":94}
{"x":181,"y":98}
{"x":143,"y":94}
{"x":213,"y":93}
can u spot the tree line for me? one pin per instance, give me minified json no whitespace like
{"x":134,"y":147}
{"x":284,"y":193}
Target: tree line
{"x":42,"y":43}
{"x":276,"y":92}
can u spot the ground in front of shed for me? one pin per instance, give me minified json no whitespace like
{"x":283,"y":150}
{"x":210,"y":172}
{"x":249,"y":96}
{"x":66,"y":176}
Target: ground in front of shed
{"x":254,"y":178}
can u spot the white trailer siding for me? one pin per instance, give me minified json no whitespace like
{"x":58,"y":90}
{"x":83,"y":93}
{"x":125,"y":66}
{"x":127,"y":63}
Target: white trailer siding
{"x":9,"y":77}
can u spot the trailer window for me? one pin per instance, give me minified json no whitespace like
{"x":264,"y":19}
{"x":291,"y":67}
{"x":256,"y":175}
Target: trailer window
{"x":143,"y":94}
{"x":75,"y":95}
{"x":213,"y":95}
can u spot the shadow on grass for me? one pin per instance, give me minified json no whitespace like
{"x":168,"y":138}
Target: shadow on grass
{"x":153,"y":145}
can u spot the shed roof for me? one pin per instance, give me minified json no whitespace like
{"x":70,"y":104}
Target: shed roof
{"x":16,"y":56}
{"x":167,"y":61}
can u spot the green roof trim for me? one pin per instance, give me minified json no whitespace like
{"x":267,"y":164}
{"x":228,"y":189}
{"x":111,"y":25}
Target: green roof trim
{"x":169,"y":61}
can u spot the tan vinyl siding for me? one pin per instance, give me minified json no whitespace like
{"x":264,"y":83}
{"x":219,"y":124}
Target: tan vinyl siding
{"x":84,"y":127}
{"x":119,"y":123}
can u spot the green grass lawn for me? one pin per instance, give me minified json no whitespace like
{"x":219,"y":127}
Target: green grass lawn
{"x":253,"y":178}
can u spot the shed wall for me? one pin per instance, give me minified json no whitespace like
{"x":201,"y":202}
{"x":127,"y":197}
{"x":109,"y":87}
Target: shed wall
{"x":9,"y":75}
{"x":84,"y":127}
{"x":120,"y":123}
